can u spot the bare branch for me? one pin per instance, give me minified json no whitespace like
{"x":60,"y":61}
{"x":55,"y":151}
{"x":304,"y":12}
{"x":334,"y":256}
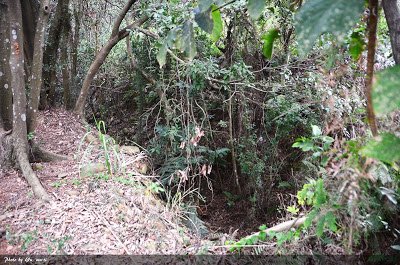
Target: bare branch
{"x":121,"y":16}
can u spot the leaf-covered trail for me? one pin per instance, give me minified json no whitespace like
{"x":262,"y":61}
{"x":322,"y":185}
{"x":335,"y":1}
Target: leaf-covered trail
{"x":87,"y":216}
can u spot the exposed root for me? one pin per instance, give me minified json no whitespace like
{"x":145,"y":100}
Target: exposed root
{"x":30,"y":176}
{"x":40,"y":155}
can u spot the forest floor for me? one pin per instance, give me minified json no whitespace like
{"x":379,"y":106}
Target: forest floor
{"x":89,"y":215}
{"x":104,"y":213}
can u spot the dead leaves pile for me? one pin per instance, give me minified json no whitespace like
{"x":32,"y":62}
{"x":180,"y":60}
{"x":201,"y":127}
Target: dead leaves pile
{"x":88,"y":215}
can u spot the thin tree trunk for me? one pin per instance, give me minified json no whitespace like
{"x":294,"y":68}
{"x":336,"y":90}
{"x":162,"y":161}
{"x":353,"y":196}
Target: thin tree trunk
{"x":19,"y":134}
{"x":372,"y":26}
{"x":116,"y":36}
{"x":232,"y":144}
{"x":37,"y":66}
{"x":392,"y":14}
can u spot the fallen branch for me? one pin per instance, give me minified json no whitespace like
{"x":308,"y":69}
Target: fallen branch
{"x":285,"y":226}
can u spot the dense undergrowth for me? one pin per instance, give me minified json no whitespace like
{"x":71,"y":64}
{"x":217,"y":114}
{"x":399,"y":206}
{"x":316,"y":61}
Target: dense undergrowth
{"x":283,"y":132}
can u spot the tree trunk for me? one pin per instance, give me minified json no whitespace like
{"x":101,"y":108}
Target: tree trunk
{"x":50,"y":55}
{"x":65,"y":68}
{"x":74,"y":46}
{"x":30,"y":10}
{"x":392,"y":14}
{"x":5,"y":82}
{"x":19,"y":133}
{"x":116,"y":36}
{"x":37,"y":66}
{"x":372,"y":27}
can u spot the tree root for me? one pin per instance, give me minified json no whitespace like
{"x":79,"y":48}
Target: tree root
{"x":40,"y":155}
{"x":30,"y":175}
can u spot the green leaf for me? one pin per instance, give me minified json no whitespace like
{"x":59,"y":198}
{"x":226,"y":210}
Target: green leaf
{"x":310,"y":217}
{"x":204,"y":5}
{"x":319,"y":229}
{"x":304,"y":144}
{"x":320,"y":16}
{"x":218,"y":24}
{"x":269,"y":37}
{"x":171,"y":37}
{"x":293,"y":209}
{"x":256,"y":8}
{"x":356,"y":45}
{"x":330,"y":221}
{"x":203,"y":19}
{"x":386,"y":92}
{"x":316,"y":131}
{"x":188,"y":41}
{"x":384,"y":147}
{"x":162,"y":55}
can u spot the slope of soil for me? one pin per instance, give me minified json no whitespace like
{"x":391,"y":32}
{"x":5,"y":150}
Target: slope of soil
{"x":89,"y":215}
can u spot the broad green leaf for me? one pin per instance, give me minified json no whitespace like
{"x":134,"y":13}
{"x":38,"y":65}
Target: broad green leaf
{"x":304,"y":144}
{"x":218,"y":24}
{"x":385,"y":147}
{"x":188,"y":41}
{"x":171,"y":37}
{"x":386,"y":92}
{"x":255,"y":8}
{"x":162,"y":55}
{"x":205,"y":5}
{"x":269,"y":37}
{"x":320,"y":16}
{"x":204,"y":20}
{"x":316,"y":131}
{"x":356,"y":45}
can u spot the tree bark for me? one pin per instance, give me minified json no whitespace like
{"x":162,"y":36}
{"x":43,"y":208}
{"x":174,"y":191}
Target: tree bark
{"x":372,"y":26}
{"x":65,"y":68}
{"x":5,"y":74}
{"x":30,"y":10}
{"x":50,"y":55}
{"x":37,"y":66}
{"x":19,"y":133}
{"x":392,"y":14}
{"x":116,"y":36}
{"x":74,"y":46}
